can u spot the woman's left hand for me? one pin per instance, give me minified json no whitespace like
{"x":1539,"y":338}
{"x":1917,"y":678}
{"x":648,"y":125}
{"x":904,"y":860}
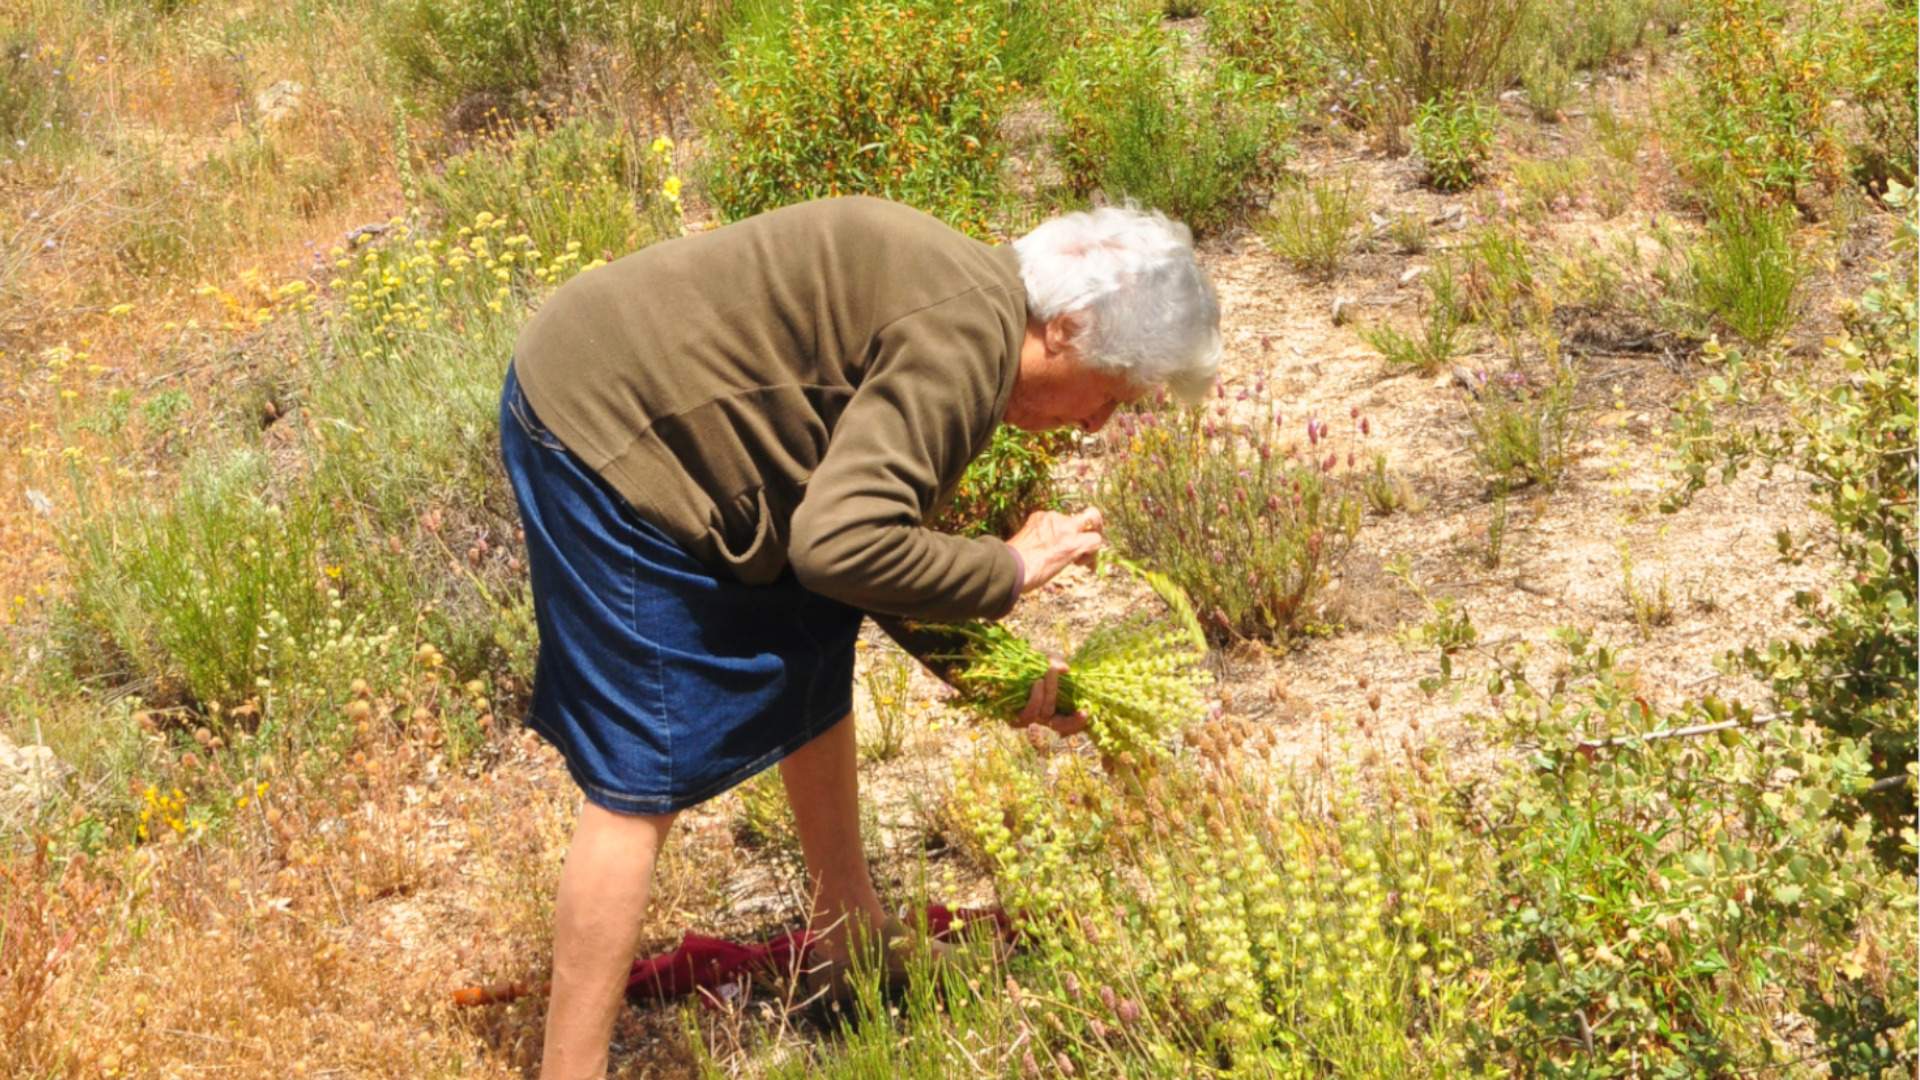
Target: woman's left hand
{"x":1043,"y":704}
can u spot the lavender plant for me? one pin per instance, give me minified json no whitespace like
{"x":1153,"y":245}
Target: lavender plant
{"x":1250,"y":524}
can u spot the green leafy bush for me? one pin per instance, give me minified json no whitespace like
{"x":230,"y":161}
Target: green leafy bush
{"x":1884,"y":82}
{"x":1271,"y":38}
{"x":1251,"y":526}
{"x":879,"y":97}
{"x":1135,"y":125}
{"x":494,"y":49}
{"x":1662,"y":891}
{"x":1752,"y":119}
{"x":1853,"y":670}
{"x":1454,"y":137}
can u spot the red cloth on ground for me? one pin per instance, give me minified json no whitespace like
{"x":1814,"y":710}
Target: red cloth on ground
{"x":713,"y":964}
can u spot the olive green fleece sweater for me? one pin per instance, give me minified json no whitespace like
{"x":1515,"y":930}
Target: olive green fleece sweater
{"x":803,"y":388}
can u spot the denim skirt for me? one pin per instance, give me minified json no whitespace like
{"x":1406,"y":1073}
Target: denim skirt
{"x":660,"y":683}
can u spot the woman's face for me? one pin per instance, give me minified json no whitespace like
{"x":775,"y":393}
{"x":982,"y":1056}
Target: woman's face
{"x":1073,"y":396}
{"x":1056,"y":389}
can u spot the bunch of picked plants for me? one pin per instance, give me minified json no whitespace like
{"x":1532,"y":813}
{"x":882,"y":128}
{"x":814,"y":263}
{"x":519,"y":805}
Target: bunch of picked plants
{"x":1137,"y":680}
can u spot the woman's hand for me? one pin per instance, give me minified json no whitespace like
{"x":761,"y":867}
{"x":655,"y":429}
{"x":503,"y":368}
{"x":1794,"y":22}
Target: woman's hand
{"x":1049,"y":541}
{"x":1043,"y":704}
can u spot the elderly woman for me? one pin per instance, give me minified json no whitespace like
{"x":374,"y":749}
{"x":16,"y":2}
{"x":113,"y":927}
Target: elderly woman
{"x":725,"y":448}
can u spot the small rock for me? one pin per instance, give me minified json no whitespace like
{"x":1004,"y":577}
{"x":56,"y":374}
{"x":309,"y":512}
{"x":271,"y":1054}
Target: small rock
{"x":29,"y":775}
{"x":280,"y":102}
{"x":1412,"y":275}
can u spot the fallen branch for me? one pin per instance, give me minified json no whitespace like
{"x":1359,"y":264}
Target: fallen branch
{"x":1588,"y":746}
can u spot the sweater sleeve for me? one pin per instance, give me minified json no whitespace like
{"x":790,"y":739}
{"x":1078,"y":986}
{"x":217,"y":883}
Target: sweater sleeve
{"x":925,"y":402}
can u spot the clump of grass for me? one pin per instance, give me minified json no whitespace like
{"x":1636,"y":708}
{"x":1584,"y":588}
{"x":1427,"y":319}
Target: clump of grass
{"x":1398,"y":54}
{"x":1387,"y":494}
{"x":1250,"y":524}
{"x":1409,"y":232}
{"x":1522,"y":431}
{"x":1311,"y":224}
{"x":1745,"y":272}
{"x":1652,"y":607}
{"x":1137,"y":680}
{"x":1438,"y":340}
{"x":1453,"y":137}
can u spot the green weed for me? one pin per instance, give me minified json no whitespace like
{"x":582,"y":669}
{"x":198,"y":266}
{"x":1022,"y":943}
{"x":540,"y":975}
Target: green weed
{"x":1311,"y":224}
{"x":1454,"y":138}
{"x":1745,"y":273}
{"x":1400,"y":54}
{"x":1522,"y":432}
{"x":580,"y":182}
{"x":1438,"y":340}
{"x":889,"y":682}
{"x":1001,"y":487}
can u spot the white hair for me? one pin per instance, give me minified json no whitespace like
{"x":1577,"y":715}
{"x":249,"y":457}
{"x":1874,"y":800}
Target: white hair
{"x":1141,"y":304}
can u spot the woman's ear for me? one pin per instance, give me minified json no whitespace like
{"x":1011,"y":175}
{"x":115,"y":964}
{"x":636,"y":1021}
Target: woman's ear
{"x":1062,"y":331}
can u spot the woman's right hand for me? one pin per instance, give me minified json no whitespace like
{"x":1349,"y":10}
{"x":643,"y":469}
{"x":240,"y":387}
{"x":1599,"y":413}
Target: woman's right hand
{"x":1049,"y":541}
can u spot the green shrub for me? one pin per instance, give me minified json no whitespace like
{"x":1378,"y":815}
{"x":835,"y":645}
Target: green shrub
{"x":1745,"y":273}
{"x":582,"y":182}
{"x":1522,"y":431}
{"x":1883,"y":81}
{"x":1012,"y":479}
{"x":203,"y":592}
{"x":1573,"y":36}
{"x":1134,"y":125}
{"x":1439,"y":337}
{"x":36,"y":99}
{"x":1663,"y":893}
{"x":1399,"y":54}
{"x":1311,"y":224}
{"x":1454,"y":138}
{"x":877,"y":97}
{"x":1752,"y":116}
{"x":1852,"y":670}
{"x":1617,"y":901}
{"x":499,"y":50}
{"x":1250,"y":526}
{"x":1270,"y":38}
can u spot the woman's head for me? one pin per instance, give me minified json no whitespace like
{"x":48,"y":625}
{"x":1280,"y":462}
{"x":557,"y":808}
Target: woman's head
{"x":1134,"y":302}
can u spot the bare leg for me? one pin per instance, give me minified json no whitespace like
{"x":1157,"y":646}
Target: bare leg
{"x":596,"y":928}
{"x":822,"y":782}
